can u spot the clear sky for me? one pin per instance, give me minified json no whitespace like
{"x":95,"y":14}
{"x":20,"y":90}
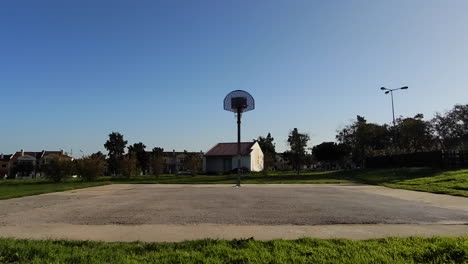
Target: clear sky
{"x":71,"y":72}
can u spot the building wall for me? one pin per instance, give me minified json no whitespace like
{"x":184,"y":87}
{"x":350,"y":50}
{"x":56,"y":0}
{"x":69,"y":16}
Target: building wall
{"x":4,"y":169}
{"x":27,"y":159}
{"x":224,"y":164}
{"x":245,"y":162}
{"x":217,"y":164}
{"x":256,"y":160}
{"x":253,"y":162}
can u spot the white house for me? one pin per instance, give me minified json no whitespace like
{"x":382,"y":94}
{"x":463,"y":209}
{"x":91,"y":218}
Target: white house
{"x":223,"y":157}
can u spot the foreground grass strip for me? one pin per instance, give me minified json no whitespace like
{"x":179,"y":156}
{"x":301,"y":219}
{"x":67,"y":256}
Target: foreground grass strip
{"x":391,"y":250}
{"x":19,"y":188}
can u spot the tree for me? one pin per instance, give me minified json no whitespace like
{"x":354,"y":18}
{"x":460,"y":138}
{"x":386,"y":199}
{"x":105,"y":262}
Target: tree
{"x":57,"y":168}
{"x":451,"y":128}
{"x":89,"y":168}
{"x":116,"y":147}
{"x":24,"y":168}
{"x":309,"y":160}
{"x":364,"y":139}
{"x":192,"y":162}
{"x":329,"y":152}
{"x":268,"y":149}
{"x":141,"y":156}
{"x":128,"y":165}
{"x":298,"y":143}
{"x":156,"y":162}
{"x":414,"y":133}
{"x":99,"y":155}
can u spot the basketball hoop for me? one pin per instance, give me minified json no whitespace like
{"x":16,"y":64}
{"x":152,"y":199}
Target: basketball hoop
{"x":239,"y":101}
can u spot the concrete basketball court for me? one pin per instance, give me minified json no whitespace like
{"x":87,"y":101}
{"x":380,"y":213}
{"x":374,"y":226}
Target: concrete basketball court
{"x":150,"y":212}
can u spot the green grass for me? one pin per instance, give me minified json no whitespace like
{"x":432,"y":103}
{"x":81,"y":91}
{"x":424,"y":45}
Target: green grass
{"x":389,"y":250}
{"x":19,"y":188}
{"x":251,"y":178}
{"x":451,"y":182}
{"x":418,"y":179}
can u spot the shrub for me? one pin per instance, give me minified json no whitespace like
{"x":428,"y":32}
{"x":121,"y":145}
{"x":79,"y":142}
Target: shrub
{"x":156,"y":163}
{"x":90,"y":168}
{"x":128,"y":166}
{"x":193,"y":162}
{"x":57,"y":168}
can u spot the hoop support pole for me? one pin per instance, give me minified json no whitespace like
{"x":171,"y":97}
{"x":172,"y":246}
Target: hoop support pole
{"x":239,"y":112}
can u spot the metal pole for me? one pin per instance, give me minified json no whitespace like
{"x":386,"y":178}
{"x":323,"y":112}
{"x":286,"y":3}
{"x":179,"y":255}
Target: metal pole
{"x":238,"y":147}
{"x":395,"y":135}
{"x":393,"y":109}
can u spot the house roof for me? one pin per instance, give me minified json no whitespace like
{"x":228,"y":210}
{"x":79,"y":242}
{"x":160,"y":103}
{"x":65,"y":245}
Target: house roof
{"x":37,"y":155}
{"x":230,"y":149}
{"x":18,"y":154}
{"x":6,"y":157}
{"x":47,"y":153}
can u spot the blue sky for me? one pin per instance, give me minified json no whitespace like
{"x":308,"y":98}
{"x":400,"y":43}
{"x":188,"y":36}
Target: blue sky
{"x":71,"y":72}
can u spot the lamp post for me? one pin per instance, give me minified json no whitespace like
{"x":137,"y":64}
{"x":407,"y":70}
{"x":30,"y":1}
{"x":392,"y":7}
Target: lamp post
{"x":390,"y":91}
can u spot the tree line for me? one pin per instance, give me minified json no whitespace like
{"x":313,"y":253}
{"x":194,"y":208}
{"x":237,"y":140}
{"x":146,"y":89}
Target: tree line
{"x":354,"y":143}
{"x":445,"y":131}
{"x":362,"y":139}
{"x":117,"y":163}
{"x":59,"y":167}
{"x":138,"y":161}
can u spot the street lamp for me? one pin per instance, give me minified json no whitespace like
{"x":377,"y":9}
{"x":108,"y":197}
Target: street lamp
{"x":390,"y":91}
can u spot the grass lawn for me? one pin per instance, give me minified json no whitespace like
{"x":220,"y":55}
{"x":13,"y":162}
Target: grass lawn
{"x":254,"y":178}
{"x":419,"y":179}
{"x":19,"y":188}
{"x":451,"y":182}
{"x":390,"y":250}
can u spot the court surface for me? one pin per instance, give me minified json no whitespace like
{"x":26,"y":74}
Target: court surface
{"x":150,"y":212}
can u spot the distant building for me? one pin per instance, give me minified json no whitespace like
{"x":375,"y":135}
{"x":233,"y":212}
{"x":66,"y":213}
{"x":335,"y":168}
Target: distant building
{"x":173,"y":162}
{"x":26,"y":164}
{"x":4,"y":165}
{"x":281,"y":162}
{"x":223,"y":157}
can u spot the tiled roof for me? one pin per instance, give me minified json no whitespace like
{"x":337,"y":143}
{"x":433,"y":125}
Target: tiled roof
{"x":18,"y":154}
{"x":37,"y":155}
{"x":230,"y":149}
{"x":46,"y":153}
